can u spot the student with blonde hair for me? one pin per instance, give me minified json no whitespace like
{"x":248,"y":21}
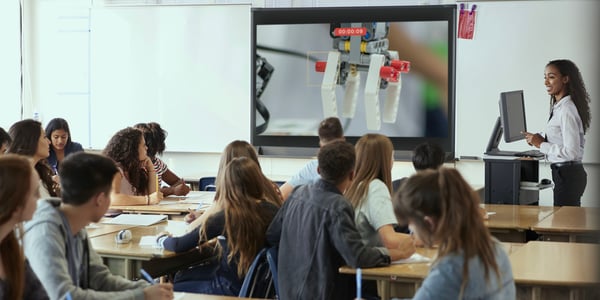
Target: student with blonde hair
{"x":442,"y":209}
{"x":18,"y":195}
{"x":370,"y":196}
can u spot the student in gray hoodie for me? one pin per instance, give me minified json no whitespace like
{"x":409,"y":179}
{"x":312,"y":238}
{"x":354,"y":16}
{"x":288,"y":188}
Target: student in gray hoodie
{"x":57,"y":245}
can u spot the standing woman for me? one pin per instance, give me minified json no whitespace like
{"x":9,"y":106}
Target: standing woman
{"x":564,"y":136}
{"x":5,"y":141}
{"x":136,"y":183}
{"x":442,"y":209}
{"x":155,"y":137}
{"x":61,"y":145}
{"x":29,"y":139}
{"x":18,"y":195}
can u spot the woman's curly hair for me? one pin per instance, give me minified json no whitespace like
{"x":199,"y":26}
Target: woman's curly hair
{"x":123,"y":149}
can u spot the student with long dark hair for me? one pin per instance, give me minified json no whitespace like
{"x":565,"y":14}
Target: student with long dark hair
{"x":29,"y":139}
{"x":136,"y":183}
{"x":155,"y":137}
{"x":18,"y":195}
{"x":443,"y":210}
{"x":61,"y":145}
{"x":5,"y":141}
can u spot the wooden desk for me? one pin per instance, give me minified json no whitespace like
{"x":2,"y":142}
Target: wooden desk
{"x":511,"y":222}
{"x":98,"y":229}
{"x":571,"y":224}
{"x":172,"y":205}
{"x":125,"y":259}
{"x":549,"y":264}
{"x":408,"y":275}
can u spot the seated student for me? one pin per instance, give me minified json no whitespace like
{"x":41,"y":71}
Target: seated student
{"x":29,"y":139}
{"x":243,"y":218}
{"x":425,"y":156}
{"x":237,"y":148}
{"x":136,"y":183}
{"x":5,"y":141}
{"x":370,"y":196}
{"x":19,"y":192}
{"x":61,"y":145}
{"x":470,"y":263}
{"x":155,"y":137}
{"x":330,"y":130}
{"x":316,"y":235}
{"x":57,"y":244}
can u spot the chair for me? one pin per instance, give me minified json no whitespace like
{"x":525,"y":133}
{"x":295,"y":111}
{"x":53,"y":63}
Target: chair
{"x":207,"y":184}
{"x":259,"y":281}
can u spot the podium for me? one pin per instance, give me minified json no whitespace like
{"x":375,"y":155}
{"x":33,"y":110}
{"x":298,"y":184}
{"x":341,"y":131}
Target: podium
{"x":511,"y":180}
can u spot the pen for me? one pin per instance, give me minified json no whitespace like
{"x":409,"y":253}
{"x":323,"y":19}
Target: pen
{"x":358,"y":283}
{"x":147,"y":276}
{"x":68,"y":296}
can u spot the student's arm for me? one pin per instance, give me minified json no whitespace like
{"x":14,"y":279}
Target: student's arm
{"x":348,"y":243}
{"x":399,"y":245}
{"x":176,"y":184}
{"x":45,"y":248}
{"x":118,"y":198}
{"x":182,"y":243}
{"x":286,"y":189}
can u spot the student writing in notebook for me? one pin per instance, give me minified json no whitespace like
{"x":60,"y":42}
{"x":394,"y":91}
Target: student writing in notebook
{"x":57,"y":244}
{"x":242,"y":219}
{"x":442,"y":209}
{"x":18,"y":195}
{"x":155,"y":137}
{"x":136,"y":183}
{"x":316,"y":235}
{"x":370,"y":196}
{"x":61,"y":145}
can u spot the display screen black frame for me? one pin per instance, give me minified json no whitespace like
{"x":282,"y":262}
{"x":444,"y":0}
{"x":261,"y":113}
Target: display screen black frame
{"x":305,"y":146}
{"x":512,"y":115}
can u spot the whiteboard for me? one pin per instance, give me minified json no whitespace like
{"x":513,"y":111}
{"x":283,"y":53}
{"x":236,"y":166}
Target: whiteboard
{"x":513,"y":42}
{"x":185,"y":67}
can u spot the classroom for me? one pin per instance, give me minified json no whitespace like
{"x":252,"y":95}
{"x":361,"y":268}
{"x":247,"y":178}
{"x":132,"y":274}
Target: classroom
{"x":82,"y":61}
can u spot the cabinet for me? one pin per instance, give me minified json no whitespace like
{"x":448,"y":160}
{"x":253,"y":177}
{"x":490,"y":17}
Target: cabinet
{"x":511,"y":180}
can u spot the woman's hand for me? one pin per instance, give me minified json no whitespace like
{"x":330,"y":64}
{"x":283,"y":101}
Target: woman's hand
{"x":533,"y":139}
{"x":155,"y":197}
{"x":181,"y":189}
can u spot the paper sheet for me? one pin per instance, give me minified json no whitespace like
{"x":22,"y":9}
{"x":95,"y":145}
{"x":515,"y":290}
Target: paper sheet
{"x":415,"y":258}
{"x":133,"y":219}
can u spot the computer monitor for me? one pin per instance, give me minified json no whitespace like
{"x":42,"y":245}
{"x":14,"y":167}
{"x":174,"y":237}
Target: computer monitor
{"x":512,"y":115}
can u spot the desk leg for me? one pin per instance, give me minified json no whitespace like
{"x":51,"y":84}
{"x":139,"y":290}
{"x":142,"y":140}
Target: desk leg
{"x":575,"y":294}
{"x":572,"y":238}
{"x":536,"y":293}
{"x":385,"y":289}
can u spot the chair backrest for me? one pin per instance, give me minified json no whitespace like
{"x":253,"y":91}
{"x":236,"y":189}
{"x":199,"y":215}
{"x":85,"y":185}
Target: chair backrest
{"x":272,"y":260}
{"x":259,"y":282}
{"x":207,"y":184}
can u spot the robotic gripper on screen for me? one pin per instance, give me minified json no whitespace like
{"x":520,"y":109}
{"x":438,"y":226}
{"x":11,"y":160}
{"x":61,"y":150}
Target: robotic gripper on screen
{"x":362,"y":47}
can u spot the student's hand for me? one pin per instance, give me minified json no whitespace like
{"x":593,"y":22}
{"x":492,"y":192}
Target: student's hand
{"x":407,"y":247}
{"x":181,"y":189}
{"x":533,"y":139}
{"x":190,"y":217}
{"x":483,"y":213}
{"x":56,"y":179}
{"x":156,"y":197}
{"x":161,"y":291}
{"x":149,"y":165}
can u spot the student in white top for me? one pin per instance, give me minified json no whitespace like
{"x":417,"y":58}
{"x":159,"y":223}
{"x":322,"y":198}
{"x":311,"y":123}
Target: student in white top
{"x":330,"y":130}
{"x":370,"y":196}
{"x":563,"y":141}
